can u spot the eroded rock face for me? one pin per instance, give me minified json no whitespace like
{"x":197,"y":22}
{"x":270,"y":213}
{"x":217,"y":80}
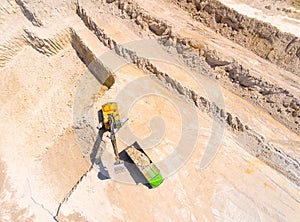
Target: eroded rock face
{"x":157,"y":28}
{"x":262,"y":38}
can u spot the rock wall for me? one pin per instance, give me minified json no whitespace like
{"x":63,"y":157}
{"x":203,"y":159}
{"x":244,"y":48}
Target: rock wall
{"x":265,"y":40}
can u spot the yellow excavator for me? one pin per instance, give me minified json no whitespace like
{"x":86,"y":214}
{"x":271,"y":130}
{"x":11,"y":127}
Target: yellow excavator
{"x":111,"y":122}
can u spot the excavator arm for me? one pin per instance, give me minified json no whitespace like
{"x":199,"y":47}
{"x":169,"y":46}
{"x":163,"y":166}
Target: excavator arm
{"x":111,"y":122}
{"x":113,"y":136}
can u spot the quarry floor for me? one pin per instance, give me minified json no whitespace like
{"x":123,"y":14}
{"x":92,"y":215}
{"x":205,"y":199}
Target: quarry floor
{"x":224,"y":152}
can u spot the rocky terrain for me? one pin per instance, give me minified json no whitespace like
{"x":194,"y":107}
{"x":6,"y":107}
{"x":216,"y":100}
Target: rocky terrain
{"x":212,"y":95}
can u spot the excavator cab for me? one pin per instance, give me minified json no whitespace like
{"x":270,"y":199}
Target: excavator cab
{"x":111,"y":109}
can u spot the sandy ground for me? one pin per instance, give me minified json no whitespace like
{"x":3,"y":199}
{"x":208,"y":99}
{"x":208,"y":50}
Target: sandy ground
{"x":216,"y":193}
{"x":55,"y":165}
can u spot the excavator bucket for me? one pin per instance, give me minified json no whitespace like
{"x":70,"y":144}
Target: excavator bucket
{"x":119,"y":167}
{"x":108,"y":109}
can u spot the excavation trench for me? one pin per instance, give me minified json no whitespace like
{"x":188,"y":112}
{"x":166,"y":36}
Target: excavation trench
{"x":52,"y":45}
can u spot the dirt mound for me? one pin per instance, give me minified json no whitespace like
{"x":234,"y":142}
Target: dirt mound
{"x":140,"y":159}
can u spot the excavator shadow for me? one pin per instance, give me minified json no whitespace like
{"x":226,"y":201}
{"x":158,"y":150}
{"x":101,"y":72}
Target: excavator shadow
{"x":134,"y":172}
{"x":96,"y":154}
{"x":97,"y":151}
